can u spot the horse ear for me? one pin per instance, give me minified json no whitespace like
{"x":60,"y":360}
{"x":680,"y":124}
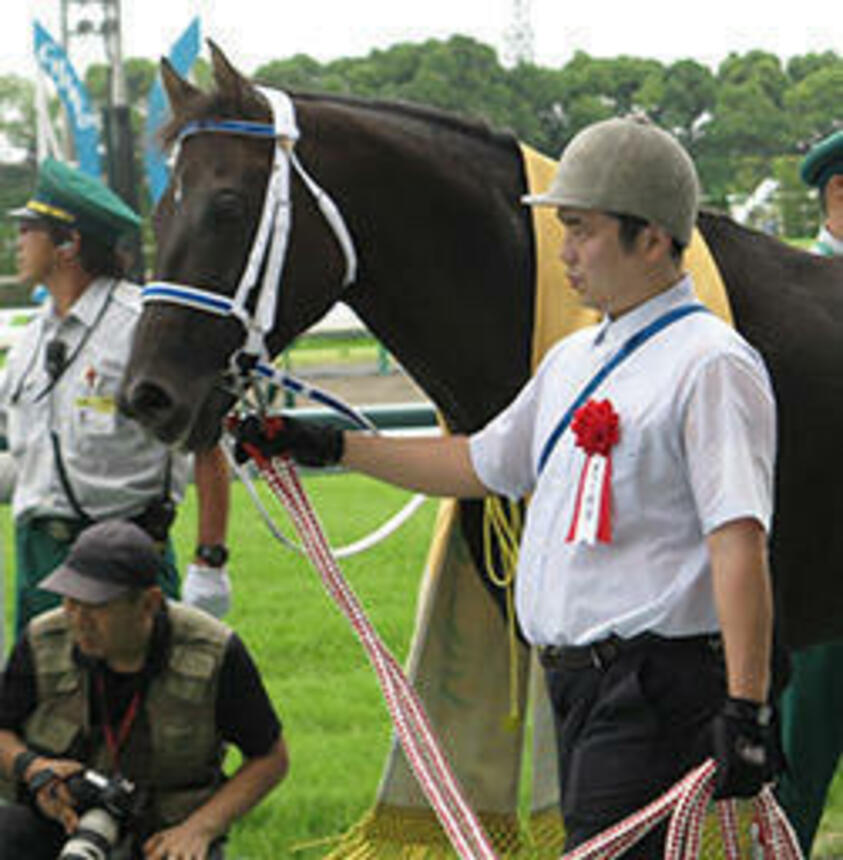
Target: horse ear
{"x":228,"y":79}
{"x":179,"y":91}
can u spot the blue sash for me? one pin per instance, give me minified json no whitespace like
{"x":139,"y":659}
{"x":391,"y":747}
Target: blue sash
{"x":629,"y":346}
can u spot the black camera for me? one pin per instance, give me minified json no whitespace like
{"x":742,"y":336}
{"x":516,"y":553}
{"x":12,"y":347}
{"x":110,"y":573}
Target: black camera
{"x":106,"y":806}
{"x":157,"y":517}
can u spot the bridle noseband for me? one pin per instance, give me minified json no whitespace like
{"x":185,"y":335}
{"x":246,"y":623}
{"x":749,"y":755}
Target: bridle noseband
{"x":270,"y":245}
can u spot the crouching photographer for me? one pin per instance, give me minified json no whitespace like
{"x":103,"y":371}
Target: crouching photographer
{"x":115,"y":710}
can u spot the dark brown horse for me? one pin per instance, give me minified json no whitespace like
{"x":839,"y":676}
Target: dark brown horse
{"x":446,"y":281}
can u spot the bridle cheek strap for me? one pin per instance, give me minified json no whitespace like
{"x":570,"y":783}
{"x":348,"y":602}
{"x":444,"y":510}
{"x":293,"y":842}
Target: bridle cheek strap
{"x":269,"y":249}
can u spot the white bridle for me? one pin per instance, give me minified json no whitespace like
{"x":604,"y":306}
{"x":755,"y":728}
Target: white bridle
{"x":270,"y":245}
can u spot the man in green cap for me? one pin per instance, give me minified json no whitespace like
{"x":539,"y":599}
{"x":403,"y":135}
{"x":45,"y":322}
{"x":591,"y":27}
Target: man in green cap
{"x":646,"y":445}
{"x":77,"y":459}
{"x":812,"y":704}
{"x":822,"y":168}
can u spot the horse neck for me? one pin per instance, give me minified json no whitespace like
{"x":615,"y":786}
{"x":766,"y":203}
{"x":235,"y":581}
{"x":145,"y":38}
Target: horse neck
{"x":446,"y":274}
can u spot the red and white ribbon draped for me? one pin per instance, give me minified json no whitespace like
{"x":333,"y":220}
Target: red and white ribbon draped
{"x":595,"y":425}
{"x":686,"y":804}
{"x":408,"y":715}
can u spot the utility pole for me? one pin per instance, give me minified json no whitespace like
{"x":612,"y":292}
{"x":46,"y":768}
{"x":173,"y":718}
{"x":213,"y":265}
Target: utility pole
{"x":518,"y":39}
{"x":100,"y":20}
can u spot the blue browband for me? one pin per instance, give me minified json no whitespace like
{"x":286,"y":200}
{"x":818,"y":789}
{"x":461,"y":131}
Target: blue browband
{"x":228,"y":126}
{"x":189,"y":296}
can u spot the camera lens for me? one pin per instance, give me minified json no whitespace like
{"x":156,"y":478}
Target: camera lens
{"x":94,"y":838}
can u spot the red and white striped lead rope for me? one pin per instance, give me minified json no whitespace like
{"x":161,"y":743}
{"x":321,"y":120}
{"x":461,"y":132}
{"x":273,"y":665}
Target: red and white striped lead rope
{"x":409,"y":718}
{"x":686,"y":803}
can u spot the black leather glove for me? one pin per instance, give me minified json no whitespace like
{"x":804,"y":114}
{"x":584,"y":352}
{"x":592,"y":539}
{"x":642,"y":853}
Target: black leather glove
{"x":307,"y":442}
{"x":744,"y":748}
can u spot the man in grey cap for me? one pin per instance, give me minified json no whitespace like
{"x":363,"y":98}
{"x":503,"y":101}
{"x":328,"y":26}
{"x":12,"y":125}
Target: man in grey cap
{"x":646,"y":444}
{"x":125,"y":683}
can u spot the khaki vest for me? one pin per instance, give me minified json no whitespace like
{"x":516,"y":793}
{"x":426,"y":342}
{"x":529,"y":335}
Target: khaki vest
{"x":174,"y":749}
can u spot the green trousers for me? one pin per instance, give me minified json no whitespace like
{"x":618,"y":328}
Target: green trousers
{"x":812,"y":735}
{"x":38,"y":553}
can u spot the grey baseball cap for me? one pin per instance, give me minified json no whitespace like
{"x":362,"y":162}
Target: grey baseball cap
{"x":627,"y":167}
{"x":106,"y":560}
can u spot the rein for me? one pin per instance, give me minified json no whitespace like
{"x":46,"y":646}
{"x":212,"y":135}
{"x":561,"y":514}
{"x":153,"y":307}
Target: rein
{"x":412,"y":725}
{"x":685,"y":804}
{"x":269,"y":249}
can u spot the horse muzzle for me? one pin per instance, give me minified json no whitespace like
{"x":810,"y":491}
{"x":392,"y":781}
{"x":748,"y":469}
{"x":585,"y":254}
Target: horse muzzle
{"x":171,"y":415}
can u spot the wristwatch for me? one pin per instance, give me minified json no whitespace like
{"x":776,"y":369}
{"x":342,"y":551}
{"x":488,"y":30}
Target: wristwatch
{"x":213,"y":554}
{"x":21,"y":763}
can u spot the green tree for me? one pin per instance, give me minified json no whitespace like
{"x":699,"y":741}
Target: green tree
{"x":688,"y":96}
{"x":813,"y":103}
{"x":798,"y":68}
{"x":760,"y":70}
{"x":17,"y":112}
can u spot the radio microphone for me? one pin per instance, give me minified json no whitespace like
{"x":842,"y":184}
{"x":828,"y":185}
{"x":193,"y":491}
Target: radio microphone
{"x":55,"y":357}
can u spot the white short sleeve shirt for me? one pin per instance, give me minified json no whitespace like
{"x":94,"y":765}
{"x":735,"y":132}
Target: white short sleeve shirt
{"x":115,"y":466}
{"x":696,"y":450}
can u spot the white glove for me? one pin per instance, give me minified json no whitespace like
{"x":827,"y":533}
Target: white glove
{"x":207,"y":588}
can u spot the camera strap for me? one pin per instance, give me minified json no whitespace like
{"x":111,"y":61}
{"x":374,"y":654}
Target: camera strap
{"x":114,"y":741}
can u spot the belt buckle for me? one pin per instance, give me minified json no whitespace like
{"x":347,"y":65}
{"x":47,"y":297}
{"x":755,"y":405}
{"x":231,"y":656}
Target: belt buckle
{"x":604,"y":652}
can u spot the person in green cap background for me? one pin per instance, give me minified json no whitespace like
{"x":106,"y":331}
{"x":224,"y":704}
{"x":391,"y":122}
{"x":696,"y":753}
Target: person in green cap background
{"x":77,"y":459}
{"x":812,"y":704}
{"x":822,"y":168}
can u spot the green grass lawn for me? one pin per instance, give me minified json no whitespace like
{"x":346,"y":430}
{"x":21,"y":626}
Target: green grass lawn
{"x":335,"y":722}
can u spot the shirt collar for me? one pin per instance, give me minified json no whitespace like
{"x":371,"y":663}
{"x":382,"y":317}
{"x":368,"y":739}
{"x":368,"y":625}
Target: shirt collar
{"x":87,"y":307}
{"x":827,"y":238}
{"x":614,"y":332}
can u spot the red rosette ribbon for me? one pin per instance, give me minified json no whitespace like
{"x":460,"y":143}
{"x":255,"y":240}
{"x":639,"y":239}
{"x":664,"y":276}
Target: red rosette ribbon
{"x":596,"y":426}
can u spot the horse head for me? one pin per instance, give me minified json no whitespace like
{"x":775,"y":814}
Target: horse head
{"x":205,"y":226}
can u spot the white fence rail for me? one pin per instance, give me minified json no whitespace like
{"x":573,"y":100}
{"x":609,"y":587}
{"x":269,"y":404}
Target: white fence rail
{"x":339,"y":320}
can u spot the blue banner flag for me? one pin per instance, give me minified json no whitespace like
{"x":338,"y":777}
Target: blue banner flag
{"x":182,"y":55}
{"x":84,"y":128}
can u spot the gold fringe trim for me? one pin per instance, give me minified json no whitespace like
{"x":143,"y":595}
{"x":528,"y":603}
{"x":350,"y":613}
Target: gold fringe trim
{"x":547,"y":834}
{"x":395,"y":833}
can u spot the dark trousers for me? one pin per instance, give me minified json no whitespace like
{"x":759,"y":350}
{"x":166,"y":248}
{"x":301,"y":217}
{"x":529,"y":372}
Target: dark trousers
{"x":629,"y":729}
{"x":812,"y":734}
{"x":25,"y":835}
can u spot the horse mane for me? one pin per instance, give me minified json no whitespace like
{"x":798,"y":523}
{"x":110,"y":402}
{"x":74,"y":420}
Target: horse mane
{"x":251,"y":106}
{"x":468,"y":126}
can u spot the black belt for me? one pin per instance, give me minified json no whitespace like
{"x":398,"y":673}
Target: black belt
{"x":61,"y":529}
{"x":67,"y":529}
{"x":601,"y":654}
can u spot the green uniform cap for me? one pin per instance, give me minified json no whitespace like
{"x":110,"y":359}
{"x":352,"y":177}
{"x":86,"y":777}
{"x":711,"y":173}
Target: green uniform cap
{"x":823,"y":161}
{"x":67,"y":196}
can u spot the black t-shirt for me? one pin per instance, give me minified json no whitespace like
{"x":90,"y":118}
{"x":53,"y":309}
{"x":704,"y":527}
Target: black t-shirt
{"x":244,"y":714}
